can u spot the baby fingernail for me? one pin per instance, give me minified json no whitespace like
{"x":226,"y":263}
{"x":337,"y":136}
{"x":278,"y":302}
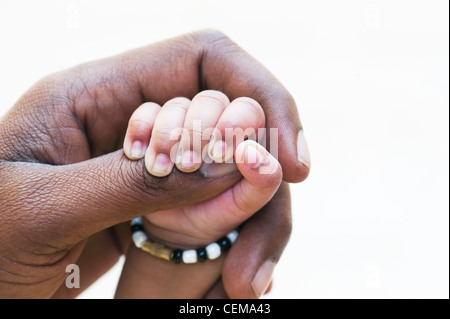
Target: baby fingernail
{"x":262,"y":279}
{"x":303,"y":150}
{"x":137,"y":150}
{"x":252,"y":156}
{"x":220,"y":151}
{"x":190,"y":160}
{"x":188,"y":157}
{"x":162,"y":166}
{"x":217,"y":150}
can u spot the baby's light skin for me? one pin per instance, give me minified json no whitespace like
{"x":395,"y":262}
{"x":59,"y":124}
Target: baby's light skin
{"x":196,"y":225}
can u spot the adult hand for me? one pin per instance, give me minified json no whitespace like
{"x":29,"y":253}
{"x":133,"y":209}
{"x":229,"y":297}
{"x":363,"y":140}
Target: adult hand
{"x":64,"y":178}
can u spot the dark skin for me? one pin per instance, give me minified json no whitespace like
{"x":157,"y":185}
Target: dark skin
{"x":66,"y":186}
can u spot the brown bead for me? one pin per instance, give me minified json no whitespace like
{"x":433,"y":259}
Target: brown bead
{"x":157,"y":250}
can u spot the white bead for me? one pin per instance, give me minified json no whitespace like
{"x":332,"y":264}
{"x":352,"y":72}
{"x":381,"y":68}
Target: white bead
{"x":190,"y":256}
{"x":135,"y":221}
{"x":213,"y":251}
{"x":233,"y":235}
{"x":138,"y":238}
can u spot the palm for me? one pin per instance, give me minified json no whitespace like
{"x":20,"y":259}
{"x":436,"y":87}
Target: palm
{"x":199,"y":223}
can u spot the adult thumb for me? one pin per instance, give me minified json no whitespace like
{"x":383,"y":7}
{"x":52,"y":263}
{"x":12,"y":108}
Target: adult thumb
{"x":77,"y":200}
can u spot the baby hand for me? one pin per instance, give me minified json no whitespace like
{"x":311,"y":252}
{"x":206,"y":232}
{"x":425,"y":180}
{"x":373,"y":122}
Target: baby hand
{"x":179,"y":134}
{"x":185,"y":132}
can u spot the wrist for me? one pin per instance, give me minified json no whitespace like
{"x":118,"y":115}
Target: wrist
{"x":182,"y":234}
{"x":174,"y":252}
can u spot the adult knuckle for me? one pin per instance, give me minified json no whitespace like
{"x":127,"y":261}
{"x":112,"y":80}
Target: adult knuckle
{"x":211,"y":35}
{"x":214,"y":41}
{"x":281,"y":95}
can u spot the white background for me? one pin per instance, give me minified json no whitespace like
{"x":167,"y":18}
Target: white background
{"x":371,"y":81}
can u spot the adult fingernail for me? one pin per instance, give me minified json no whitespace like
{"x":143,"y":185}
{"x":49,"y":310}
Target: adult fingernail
{"x":137,"y":150}
{"x":252,"y":156}
{"x":263,"y":277}
{"x":303,"y":150}
{"x":162,"y":166}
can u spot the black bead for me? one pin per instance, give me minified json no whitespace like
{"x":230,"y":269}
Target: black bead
{"x":224,"y":243}
{"x":201,"y":254}
{"x":176,"y":256}
{"x":137,"y":227}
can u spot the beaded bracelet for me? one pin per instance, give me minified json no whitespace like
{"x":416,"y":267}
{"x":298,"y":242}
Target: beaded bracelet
{"x":191,"y":256}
